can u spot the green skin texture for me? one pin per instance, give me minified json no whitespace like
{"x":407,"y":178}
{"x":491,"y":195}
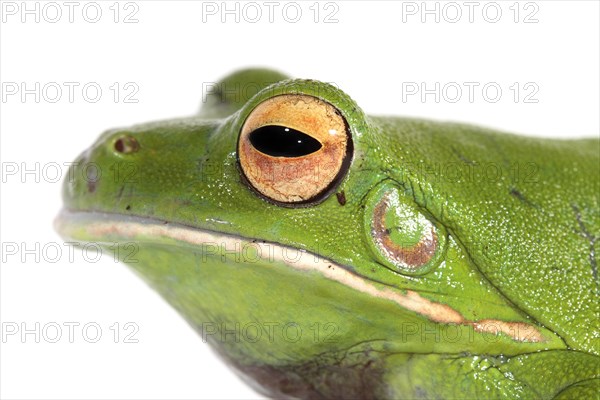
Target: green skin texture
{"x":519,"y":215}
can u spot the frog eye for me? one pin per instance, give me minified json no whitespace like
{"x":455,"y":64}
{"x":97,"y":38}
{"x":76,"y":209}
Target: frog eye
{"x":402,"y":237}
{"x":294,"y":149}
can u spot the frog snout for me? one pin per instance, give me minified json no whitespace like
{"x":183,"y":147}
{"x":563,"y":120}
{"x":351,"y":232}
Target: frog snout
{"x":107,"y":159}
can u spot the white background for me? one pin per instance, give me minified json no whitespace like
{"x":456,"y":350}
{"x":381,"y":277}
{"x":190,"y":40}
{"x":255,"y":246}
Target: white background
{"x":370,"y":52}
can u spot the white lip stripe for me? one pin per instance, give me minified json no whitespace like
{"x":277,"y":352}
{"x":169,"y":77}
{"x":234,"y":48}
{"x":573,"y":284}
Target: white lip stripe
{"x":306,"y":261}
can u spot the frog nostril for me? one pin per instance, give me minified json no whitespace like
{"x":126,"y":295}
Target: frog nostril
{"x":126,"y":145}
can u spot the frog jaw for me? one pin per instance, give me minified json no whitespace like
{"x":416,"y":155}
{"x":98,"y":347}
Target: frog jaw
{"x":108,"y":227}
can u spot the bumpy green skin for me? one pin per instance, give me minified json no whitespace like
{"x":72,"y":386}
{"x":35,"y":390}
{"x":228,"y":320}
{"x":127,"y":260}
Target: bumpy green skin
{"x":522,"y":218}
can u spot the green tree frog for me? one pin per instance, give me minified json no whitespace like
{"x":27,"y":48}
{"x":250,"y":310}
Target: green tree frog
{"x":324,"y":253}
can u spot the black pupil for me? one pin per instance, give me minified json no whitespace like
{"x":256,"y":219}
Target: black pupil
{"x":280,"y":141}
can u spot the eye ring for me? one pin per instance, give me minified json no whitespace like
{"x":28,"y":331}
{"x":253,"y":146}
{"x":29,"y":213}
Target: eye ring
{"x":294,"y":150}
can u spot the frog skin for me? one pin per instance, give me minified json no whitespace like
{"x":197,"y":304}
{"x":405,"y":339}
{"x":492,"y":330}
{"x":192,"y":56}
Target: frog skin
{"x":324,"y":253}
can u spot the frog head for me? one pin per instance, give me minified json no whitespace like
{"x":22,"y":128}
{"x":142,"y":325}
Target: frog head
{"x":303,"y":241}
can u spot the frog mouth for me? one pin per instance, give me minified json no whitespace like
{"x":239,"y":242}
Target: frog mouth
{"x":110,"y":228}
